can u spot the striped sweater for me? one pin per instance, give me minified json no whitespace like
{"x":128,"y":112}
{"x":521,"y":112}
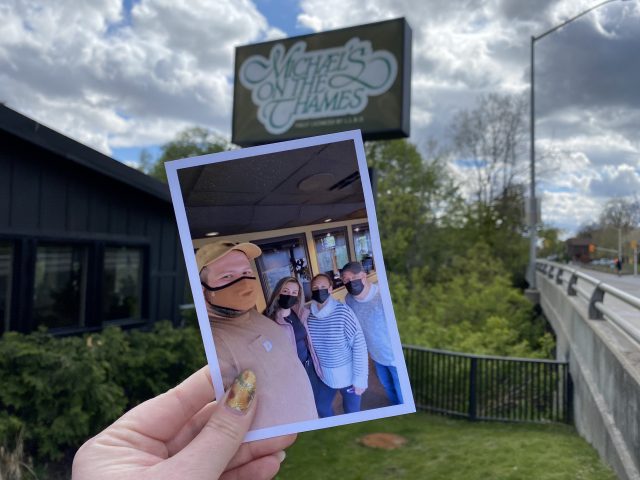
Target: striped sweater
{"x":339,"y":344}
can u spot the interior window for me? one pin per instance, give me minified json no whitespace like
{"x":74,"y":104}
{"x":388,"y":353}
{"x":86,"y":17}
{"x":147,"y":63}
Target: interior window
{"x":286,"y":257}
{"x":333,"y":252}
{"x":363,"y":247}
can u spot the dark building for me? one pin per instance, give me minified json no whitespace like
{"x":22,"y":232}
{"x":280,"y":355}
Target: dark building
{"x":85,"y":241}
{"x":578,"y":249}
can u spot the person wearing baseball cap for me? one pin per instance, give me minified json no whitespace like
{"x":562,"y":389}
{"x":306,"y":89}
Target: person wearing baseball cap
{"x":245,"y":339}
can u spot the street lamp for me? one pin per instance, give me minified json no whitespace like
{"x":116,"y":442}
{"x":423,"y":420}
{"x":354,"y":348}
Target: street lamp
{"x":533,"y":221}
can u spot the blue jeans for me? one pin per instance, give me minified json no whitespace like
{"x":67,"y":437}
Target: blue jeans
{"x":388,"y":376}
{"x":316,"y":383}
{"x":326,"y":394}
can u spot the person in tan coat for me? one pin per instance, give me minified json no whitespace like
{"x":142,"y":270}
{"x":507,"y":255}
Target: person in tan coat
{"x":245,"y":339}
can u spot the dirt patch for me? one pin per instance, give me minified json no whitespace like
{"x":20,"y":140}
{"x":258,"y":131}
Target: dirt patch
{"x":383,"y":441}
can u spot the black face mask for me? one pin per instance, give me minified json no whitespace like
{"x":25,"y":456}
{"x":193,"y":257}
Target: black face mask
{"x":287,"y":301}
{"x":320,"y":295}
{"x":355,"y":287}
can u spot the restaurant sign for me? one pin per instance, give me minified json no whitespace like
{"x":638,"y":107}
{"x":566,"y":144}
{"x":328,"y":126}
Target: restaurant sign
{"x":344,"y":79}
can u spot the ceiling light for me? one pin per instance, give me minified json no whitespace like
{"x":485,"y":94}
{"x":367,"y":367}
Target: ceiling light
{"x":328,"y":220}
{"x":212,"y":234}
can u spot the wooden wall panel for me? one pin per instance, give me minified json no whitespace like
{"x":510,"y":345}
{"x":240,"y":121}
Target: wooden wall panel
{"x":53,"y":200}
{"x":25,"y":189}
{"x":77,"y":206}
{"x":5,"y":190}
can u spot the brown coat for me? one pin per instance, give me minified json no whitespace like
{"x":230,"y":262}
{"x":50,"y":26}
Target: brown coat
{"x":254,"y":341}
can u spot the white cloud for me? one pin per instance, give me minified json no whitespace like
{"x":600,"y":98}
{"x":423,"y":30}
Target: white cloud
{"x":616,"y":181}
{"x":111,"y":78}
{"x":79,"y":68}
{"x":569,"y":211}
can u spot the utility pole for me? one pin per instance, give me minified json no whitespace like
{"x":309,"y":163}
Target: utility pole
{"x":532,"y":292}
{"x":620,"y":243}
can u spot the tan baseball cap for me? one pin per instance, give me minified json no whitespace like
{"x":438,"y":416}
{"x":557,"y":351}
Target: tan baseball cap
{"x":213,"y":251}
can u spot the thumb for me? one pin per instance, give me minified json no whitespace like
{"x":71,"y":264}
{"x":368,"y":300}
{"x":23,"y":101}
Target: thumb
{"x":208,"y":454}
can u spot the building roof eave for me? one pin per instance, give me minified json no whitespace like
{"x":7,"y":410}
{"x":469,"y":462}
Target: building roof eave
{"x":35,"y":133}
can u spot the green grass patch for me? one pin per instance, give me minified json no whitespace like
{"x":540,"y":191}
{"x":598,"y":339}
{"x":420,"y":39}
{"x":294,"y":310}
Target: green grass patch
{"x":441,"y":448}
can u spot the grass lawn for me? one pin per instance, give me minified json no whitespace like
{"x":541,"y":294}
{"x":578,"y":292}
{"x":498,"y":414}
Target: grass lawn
{"x":440,"y":448}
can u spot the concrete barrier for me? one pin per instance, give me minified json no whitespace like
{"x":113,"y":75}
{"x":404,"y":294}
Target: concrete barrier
{"x":605,"y":367}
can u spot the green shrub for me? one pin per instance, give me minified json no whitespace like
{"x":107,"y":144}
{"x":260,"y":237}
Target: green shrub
{"x":473,"y":308}
{"x":60,"y":391}
{"x":155,"y":361}
{"x":56,"y":390}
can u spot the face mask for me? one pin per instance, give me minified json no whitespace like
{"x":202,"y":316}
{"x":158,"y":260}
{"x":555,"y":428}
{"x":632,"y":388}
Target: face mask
{"x":355,"y":287}
{"x":287,"y":301}
{"x":320,"y":295}
{"x":234,"y":298}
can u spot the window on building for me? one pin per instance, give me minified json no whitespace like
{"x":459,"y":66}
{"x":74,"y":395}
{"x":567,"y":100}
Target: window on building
{"x":6,"y":261}
{"x":283,"y":257}
{"x":363,"y":247}
{"x":332,"y":252}
{"x":122,"y":283}
{"x":60,"y":286}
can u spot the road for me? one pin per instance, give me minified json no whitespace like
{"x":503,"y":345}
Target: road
{"x":626,"y":283}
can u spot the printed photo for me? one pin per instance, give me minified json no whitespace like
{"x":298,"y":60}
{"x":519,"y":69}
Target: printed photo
{"x":284,"y":260}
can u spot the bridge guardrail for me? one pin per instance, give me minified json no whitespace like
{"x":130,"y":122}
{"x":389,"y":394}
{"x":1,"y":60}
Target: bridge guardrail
{"x":595,"y":299}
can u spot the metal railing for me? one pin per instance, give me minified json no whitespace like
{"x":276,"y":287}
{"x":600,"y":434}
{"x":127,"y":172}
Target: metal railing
{"x":593,"y":292}
{"x":480,"y":387}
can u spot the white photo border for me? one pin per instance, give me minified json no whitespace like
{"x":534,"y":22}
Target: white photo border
{"x":172,"y":167}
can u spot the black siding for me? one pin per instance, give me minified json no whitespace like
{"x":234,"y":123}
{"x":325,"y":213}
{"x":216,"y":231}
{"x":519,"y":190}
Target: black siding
{"x":45,"y":196}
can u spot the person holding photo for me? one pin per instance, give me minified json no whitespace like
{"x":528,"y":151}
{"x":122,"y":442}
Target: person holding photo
{"x":286,"y":307}
{"x":341,"y":349}
{"x":182,"y":433}
{"x":245,"y":339}
{"x":365,"y":300}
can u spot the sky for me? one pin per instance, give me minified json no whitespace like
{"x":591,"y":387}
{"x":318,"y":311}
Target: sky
{"x":123,"y":75}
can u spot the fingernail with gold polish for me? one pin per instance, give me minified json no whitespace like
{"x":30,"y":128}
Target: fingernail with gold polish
{"x":242,"y":392}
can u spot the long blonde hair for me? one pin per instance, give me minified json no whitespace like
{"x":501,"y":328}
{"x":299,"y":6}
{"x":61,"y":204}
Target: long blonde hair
{"x":272,"y":304}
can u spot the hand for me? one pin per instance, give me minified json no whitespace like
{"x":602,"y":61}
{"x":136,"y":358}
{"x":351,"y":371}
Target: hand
{"x":182,"y":434}
{"x":358,"y":390}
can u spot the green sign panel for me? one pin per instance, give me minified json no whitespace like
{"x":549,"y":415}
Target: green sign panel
{"x":346,"y":79}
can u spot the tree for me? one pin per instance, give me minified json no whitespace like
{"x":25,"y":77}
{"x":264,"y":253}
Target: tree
{"x":622,"y":215}
{"x":473,"y":308}
{"x":588,"y":230}
{"x":146,"y":163}
{"x":552,"y":246}
{"x":418,"y":205}
{"x":490,"y":141}
{"x":191,"y":142}
{"x":501,"y":227}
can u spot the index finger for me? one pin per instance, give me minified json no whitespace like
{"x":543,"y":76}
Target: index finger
{"x":162,"y":417}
